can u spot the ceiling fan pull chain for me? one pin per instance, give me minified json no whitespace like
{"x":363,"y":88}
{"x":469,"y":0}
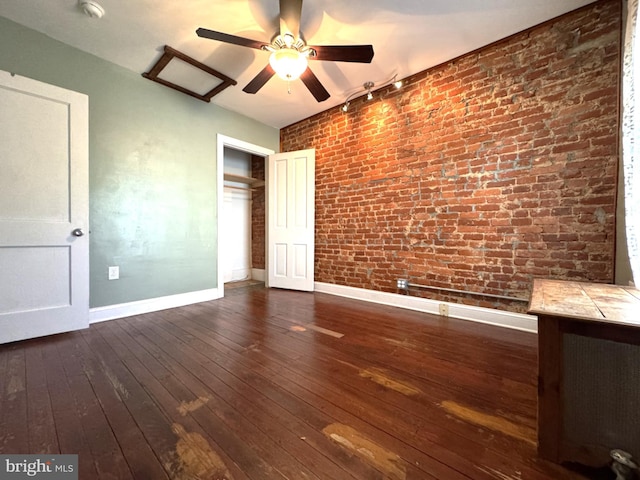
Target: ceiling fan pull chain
{"x":289,"y":87}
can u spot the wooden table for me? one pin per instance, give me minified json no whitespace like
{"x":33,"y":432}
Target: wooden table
{"x":600,"y":311}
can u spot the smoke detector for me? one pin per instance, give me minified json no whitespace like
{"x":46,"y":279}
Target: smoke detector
{"x":92,"y":8}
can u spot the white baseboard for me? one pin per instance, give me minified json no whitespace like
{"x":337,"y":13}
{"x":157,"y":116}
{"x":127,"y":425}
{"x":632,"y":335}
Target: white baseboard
{"x":258,"y":274}
{"x":111,"y":312}
{"x":501,"y":318}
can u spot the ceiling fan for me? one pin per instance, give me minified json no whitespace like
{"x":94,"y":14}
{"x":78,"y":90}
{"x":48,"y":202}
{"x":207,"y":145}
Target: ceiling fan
{"x":289,"y":52}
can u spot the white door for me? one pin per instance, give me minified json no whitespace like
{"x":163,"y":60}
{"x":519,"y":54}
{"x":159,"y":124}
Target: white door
{"x":44,"y":242}
{"x":291,"y":222}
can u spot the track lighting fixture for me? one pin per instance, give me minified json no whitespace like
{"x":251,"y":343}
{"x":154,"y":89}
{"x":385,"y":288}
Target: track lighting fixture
{"x":368,"y":87}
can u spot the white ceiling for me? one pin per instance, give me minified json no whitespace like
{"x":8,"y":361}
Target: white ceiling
{"x":408,"y":36}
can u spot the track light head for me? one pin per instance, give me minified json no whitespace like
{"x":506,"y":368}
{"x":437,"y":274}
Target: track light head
{"x":368,"y":86}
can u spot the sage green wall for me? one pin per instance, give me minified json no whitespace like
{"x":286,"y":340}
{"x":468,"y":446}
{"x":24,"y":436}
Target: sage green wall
{"x":152,"y":164}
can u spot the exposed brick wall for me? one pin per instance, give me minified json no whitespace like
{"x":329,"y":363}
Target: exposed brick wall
{"x":257,"y":215}
{"x":480,"y":174}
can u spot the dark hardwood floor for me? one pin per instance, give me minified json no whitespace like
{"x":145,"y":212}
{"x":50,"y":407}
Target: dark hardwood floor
{"x":272,"y":384}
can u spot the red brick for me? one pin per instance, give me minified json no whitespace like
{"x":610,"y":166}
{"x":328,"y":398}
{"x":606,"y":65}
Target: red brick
{"x":480,"y":174}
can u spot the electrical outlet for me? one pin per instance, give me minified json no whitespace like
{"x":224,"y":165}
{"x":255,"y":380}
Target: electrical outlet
{"x":444,"y":309}
{"x":403,"y":284}
{"x":114,"y":273}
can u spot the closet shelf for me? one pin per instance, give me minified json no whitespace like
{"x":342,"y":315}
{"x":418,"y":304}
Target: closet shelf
{"x":252,"y":182}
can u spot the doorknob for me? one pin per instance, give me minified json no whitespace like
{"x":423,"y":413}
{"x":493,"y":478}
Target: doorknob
{"x":77,"y":232}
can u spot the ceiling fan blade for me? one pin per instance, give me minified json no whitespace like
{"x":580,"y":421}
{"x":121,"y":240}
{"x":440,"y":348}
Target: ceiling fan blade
{"x":259,"y":80}
{"x":344,"y":53}
{"x":225,"y":37}
{"x":313,"y":84}
{"x":290,"y":12}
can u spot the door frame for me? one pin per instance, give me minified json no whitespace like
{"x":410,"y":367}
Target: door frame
{"x":225,"y":141}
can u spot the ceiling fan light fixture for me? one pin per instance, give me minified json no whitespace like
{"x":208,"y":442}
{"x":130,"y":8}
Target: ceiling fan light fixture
{"x":288,"y":63}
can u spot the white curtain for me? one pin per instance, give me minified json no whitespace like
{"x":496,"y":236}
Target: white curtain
{"x":630,"y":131}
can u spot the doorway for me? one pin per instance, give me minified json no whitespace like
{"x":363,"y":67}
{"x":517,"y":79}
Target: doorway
{"x":289,"y":209}
{"x":241,"y":211}
{"x":243,"y":221}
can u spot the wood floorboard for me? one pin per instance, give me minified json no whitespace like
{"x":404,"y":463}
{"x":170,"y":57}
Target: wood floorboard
{"x":380,"y":410}
{"x":41,"y":426}
{"x":14,"y":430}
{"x":221,"y":354}
{"x":296,"y":422}
{"x":142,"y":431}
{"x":274,"y":384}
{"x":336,"y":355}
{"x":67,"y":418}
{"x":286,"y":363}
{"x":201,"y":454}
{"x":108,"y":457}
{"x":374,"y":350}
{"x":506,"y":451}
{"x":227,"y":423}
{"x":444,"y":342}
{"x":289,"y":455}
{"x":203,"y":392}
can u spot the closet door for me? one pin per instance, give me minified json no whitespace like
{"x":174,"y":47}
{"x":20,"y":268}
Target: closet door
{"x":291,"y":222}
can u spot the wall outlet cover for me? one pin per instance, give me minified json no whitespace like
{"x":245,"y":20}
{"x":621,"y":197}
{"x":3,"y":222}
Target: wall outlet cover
{"x":114,"y":273}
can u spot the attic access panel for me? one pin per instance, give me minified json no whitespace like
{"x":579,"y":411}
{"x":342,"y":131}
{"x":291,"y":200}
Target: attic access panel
{"x":177,"y":69}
